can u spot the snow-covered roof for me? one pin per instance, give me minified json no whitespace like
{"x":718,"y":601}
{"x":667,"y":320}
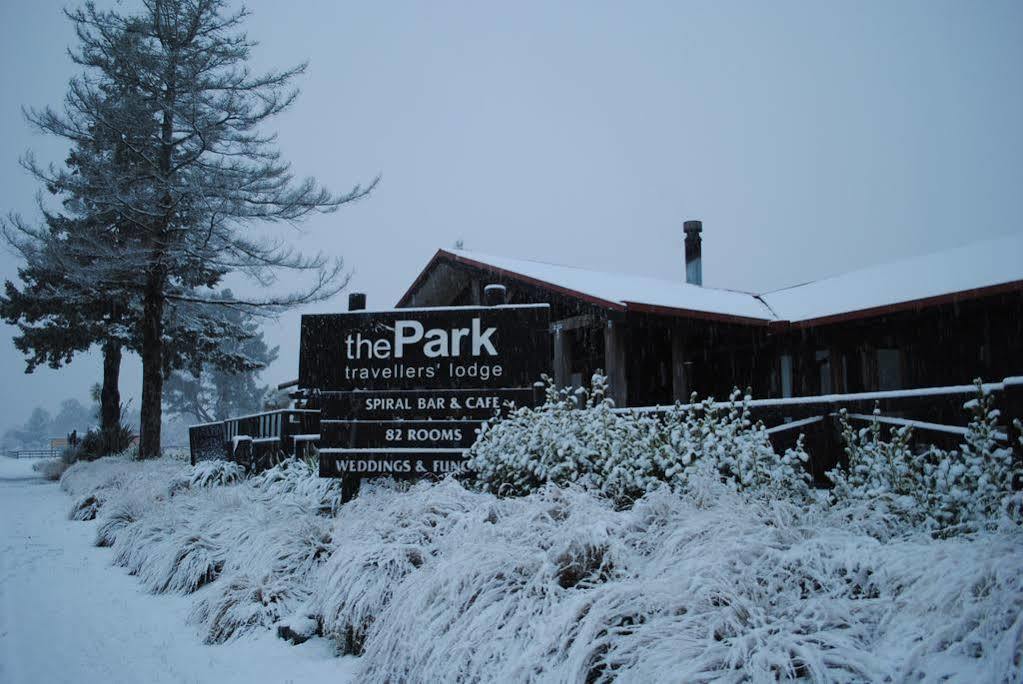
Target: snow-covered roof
{"x":978,"y":266}
{"x":622,"y":289}
{"x":983,"y":264}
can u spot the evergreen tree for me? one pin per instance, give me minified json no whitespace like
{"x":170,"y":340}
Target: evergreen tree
{"x":171,"y":115}
{"x":207,"y":392}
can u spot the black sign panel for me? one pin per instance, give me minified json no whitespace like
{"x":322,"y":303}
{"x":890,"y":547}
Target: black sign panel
{"x":443,"y":348}
{"x":417,"y":405}
{"x":406,"y":434}
{"x":402,"y":463}
{"x":207,"y":442}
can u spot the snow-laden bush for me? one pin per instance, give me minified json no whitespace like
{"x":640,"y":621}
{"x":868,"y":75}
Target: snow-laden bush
{"x":266,"y":574}
{"x":216,"y":472}
{"x":50,"y":468}
{"x":85,"y":508}
{"x":947,"y":491}
{"x":560,"y":585}
{"x":381,"y":537}
{"x":249,"y":544}
{"x":130,"y":483}
{"x":577,"y":438}
{"x":298,"y":478}
{"x":696,"y":583}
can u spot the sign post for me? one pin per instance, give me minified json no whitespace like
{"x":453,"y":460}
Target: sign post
{"x":403,"y":392}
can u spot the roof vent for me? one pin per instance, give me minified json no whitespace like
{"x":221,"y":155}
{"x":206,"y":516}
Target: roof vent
{"x":694,"y":265}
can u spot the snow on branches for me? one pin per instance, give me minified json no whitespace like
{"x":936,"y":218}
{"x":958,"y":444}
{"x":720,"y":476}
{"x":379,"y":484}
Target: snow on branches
{"x":949,"y":492}
{"x":577,"y":437}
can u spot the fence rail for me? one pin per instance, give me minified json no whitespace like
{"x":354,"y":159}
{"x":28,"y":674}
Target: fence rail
{"x":33,"y":453}
{"x":936,"y":415}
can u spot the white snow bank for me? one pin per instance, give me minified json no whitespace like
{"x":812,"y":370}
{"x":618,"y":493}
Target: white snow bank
{"x":67,"y":616}
{"x":19,"y":468}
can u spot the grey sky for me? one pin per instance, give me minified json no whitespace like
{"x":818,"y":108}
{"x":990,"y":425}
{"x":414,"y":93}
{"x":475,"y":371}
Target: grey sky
{"x":810,"y":137}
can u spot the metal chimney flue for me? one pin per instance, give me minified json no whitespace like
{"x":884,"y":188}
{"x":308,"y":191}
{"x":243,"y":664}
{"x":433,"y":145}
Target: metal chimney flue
{"x":356,"y":301}
{"x":694,"y":263}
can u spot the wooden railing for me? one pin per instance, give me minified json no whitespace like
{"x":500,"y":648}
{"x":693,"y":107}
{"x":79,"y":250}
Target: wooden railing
{"x":255,"y":440}
{"x":936,"y":415}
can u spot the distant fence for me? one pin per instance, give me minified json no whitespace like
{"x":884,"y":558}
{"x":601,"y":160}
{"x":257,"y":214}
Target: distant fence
{"x":33,"y":453}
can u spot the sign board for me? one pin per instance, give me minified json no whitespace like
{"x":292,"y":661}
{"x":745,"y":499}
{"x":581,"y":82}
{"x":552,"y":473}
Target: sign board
{"x":401,"y":463}
{"x":419,"y":404}
{"x":206,"y":442}
{"x":400,"y":434}
{"x":403,"y":392}
{"x":445,"y":348}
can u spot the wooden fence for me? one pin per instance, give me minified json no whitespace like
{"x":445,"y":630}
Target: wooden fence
{"x":255,"y":441}
{"x":936,"y":414}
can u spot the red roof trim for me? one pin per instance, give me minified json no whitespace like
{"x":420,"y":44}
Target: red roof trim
{"x":937,"y":300}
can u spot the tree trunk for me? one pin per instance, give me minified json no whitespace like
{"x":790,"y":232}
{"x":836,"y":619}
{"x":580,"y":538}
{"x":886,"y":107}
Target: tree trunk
{"x":152,"y":367}
{"x":110,"y":395}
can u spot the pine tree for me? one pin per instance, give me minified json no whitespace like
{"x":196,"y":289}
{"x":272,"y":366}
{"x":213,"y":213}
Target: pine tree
{"x":207,"y":391}
{"x":175,"y":115}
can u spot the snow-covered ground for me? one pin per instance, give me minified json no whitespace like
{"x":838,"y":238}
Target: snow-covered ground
{"x":438,"y":583}
{"x":68,"y":615}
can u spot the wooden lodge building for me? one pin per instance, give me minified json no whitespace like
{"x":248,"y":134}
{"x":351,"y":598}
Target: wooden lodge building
{"x":932,"y":320}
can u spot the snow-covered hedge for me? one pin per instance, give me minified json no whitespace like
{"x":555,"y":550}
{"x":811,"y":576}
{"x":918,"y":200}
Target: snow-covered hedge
{"x":948,"y":492}
{"x":50,"y":468}
{"x":576,"y":438}
{"x":706,"y":581}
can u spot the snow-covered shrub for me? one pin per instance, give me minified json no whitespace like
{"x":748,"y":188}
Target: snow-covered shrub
{"x":110,"y":479}
{"x":948,"y":491}
{"x":702,"y":583}
{"x":85,"y":508}
{"x":380,"y":538}
{"x":50,"y":468}
{"x":244,"y":602}
{"x":295,"y":477}
{"x":973,"y":486}
{"x":577,"y":438}
{"x":884,"y":472}
{"x":216,"y":473}
{"x":707,"y":440}
{"x":270,"y":549}
{"x":561,"y":586}
{"x":125,"y":510}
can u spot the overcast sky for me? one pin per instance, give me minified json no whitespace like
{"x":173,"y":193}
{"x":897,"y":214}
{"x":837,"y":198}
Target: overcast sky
{"x":811,"y":138}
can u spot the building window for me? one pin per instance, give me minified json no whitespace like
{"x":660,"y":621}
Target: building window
{"x":786,"y":375}
{"x":889,"y":369}
{"x":824,"y":368}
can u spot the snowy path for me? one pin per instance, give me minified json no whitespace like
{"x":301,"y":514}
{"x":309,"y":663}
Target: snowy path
{"x":67,"y":615}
